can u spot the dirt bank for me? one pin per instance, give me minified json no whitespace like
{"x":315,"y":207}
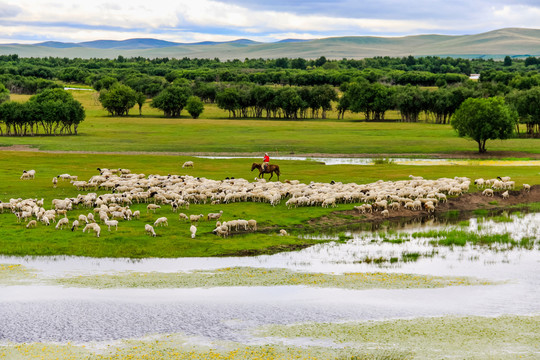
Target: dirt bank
{"x":465,"y":203}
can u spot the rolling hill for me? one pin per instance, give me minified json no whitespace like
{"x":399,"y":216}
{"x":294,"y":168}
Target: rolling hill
{"x":517,"y":42}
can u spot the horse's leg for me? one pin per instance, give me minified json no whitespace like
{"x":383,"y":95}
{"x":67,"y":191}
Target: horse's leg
{"x":271,"y":174}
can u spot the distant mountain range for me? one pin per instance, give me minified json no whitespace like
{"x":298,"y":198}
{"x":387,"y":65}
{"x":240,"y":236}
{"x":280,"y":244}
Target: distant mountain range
{"x":516,"y":42}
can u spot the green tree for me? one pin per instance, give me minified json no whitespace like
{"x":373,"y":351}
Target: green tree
{"x":172,"y":100}
{"x":194,"y":106}
{"x":141,"y":99}
{"x":527,"y":104}
{"x":4,"y":93}
{"x":484,"y":119}
{"x":229,"y":99}
{"x":118,"y":99}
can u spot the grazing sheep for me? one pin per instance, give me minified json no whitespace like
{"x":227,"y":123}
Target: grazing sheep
{"x":30,"y":174}
{"x":252,"y":225}
{"x":83,"y":218}
{"x":75,"y":225}
{"x":526,"y":187}
{"x":31,"y":223}
{"x":195,"y":218}
{"x":385,"y":213}
{"x":90,"y":217}
{"x":504,"y":178}
{"x":94,"y":227}
{"x":505,"y":195}
{"x":54,"y":182}
{"x":283,"y":232}
{"x":45,"y":220}
{"x":193,"y":231}
{"x":149,"y":230}
{"x":182,"y":216}
{"x":215,"y":216}
{"x":188,"y":164}
{"x":161,"y":221}
{"x":152,"y":207}
{"x":61,"y":223}
{"x":110,"y":223}
{"x":136,"y":214}
{"x":487,"y":192}
{"x":222,"y":230}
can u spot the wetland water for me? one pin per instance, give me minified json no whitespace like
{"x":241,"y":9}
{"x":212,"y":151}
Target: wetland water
{"x":32,"y":309}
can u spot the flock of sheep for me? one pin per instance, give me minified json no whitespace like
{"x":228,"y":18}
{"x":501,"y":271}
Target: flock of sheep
{"x":123,"y":188}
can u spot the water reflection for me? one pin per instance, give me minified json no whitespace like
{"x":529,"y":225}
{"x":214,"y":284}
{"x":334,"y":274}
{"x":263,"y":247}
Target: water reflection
{"x":54,"y":313}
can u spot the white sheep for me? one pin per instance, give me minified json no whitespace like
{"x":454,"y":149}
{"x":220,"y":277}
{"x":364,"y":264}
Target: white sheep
{"x":62,"y":222}
{"x":252,"y":225}
{"x":110,"y":223}
{"x":149,"y":230}
{"x":385,"y":213}
{"x":152,"y":207}
{"x":283,"y":232}
{"x":188,"y":164}
{"x":90,"y":217}
{"x":54,"y":182}
{"x":505,"y":195}
{"x":182,"y":216}
{"x":94,"y":227}
{"x":136,"y":214}
{"x":526,"y":187}
{"x":222,"y":230}
{"x":161,"y":221}
{"x":45,"y":220}
{"x":215,"y":216}
{"x":31,"y":223}
{"x":193,"y":231}
{"x":30,"y":174}
{"x":487,"y":192}
{"x":195,"y":218}
{"x":75,"y":225}
{"x":83,"y":218}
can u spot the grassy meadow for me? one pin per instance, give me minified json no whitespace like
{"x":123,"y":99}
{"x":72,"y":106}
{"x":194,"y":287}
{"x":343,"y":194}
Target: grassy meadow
{"x":215,"y":132}
{"x":130,"y":138}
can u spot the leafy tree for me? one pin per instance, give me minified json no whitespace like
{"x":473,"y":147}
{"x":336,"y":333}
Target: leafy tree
{"x":118,"y":99}
{"x":229,"y":99}
{"x":194,"y":106}
{"x":141,"y":99}
{"x":484,"y":119}
{"x":172,"y":100}
{"x":527,"y":104}
{"x":4,"y":93}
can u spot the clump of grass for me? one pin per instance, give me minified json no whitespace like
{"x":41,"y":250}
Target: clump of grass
{"x":410,"y":257}
{"x":494,"y":202}
{"x":481,"y":212}
{"x":452,"y":214}
{"x":342,"y":237}
{"x":501,"y":219}
{"x":461,"y":238}
{"x":464,"y":223}
{"x":383,"y":161}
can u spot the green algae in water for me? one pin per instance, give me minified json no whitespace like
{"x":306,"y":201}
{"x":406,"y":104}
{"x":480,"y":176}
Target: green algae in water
{"x":428,"y":338}
{"x":14,"y":273}
{"x":247,"y":276}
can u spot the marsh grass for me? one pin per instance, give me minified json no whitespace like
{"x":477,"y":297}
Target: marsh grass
{"x":429,"y":338}
{"x":247,"y":276}
{"x":462,"y":238}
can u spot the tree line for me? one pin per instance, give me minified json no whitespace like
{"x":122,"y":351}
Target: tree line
{"x":51,"y":112}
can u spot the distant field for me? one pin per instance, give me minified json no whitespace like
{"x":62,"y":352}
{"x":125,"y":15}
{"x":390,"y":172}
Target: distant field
{"x":214,"y":132}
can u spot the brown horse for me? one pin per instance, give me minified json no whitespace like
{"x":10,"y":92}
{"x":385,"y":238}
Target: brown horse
{"x":270,"y":169}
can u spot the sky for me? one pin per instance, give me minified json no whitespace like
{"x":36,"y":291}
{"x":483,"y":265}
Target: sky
{"x":33,"y":21}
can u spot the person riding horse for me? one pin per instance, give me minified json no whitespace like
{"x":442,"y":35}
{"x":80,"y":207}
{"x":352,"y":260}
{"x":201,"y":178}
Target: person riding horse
{"x":266,"y":160}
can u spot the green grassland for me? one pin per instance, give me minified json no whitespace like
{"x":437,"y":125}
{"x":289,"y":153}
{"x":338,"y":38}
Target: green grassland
{"x":215,"y":132}
{"x":174,"y":240}
{"x":150,"y":144}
